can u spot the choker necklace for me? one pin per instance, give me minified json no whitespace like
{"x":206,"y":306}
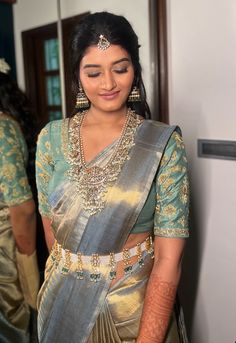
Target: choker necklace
{"x":93,"y":180}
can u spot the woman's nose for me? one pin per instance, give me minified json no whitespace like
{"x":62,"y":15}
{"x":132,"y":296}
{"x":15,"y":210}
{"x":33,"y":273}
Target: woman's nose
{"x":108,"y":81}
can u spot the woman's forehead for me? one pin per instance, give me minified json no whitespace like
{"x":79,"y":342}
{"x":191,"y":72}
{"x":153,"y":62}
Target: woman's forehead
{"x":114,"y":53}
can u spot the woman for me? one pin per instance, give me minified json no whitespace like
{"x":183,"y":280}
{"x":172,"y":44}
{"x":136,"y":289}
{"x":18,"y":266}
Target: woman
{"x":108,"y":180}
{"x":18,"y":265}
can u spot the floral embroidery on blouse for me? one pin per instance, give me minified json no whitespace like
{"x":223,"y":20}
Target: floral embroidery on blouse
{"x":44,"y":165}
{"x":172,"y":206}
{"x":172,"y":188}
{"x":14,"y":187}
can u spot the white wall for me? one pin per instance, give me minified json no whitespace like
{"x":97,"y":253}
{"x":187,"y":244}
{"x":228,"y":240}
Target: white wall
{"x":29,"y":14}
{"x":202,"y":88}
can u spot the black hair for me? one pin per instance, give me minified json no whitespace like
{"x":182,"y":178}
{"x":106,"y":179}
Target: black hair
{"x":118,"y":31}
{"x":15,"y":103}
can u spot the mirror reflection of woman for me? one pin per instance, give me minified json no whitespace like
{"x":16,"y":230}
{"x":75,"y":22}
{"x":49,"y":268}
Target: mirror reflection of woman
{"x":113,"y":194}
{"x":19,"y":278}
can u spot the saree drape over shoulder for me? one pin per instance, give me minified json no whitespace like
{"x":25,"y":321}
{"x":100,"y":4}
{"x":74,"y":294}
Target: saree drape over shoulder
{"x":92,"y":214}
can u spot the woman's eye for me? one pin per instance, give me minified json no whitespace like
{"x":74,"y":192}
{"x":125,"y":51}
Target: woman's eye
{"x":93,"y":74}
{"x":121,"y":71}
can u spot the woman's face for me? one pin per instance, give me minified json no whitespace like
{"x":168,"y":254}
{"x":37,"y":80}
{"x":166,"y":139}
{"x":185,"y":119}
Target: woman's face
{"x":107,"y":77}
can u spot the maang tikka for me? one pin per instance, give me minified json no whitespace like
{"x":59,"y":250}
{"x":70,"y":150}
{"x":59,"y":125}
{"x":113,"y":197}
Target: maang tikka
{"x":103,"y":43}
{"x":81,"y":98}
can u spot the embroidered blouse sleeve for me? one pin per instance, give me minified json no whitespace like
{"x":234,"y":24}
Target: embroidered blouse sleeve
{"x":44,"y":169}
{"x":13,"y":158}
{"x":172,"y":189}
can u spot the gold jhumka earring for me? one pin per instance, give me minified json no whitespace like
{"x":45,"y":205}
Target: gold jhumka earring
{"x":135,"y":95}
{"x":81,"y":98}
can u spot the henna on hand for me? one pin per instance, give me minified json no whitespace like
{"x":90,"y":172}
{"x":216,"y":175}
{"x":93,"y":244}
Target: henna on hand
{"x":159,"y":300}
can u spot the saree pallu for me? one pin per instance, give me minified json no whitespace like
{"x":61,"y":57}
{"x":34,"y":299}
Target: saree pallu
{"x":14,"y":312}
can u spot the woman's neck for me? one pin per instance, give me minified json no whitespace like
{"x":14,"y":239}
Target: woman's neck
{"x":96,"y":116}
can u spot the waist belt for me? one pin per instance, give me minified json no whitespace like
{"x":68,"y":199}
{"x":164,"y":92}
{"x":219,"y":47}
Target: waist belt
{"x":66,"y":259}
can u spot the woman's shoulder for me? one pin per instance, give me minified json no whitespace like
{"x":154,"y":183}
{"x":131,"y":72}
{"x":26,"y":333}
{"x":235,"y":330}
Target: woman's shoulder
{"x":171,"y":134}
{"x":7,"y":120}
{"x":54,"y":136}
{"x":175,"y":130}
{"x":157,"y":123}
{"x":53,"y":128}
{"x":9,"y":126}
{"x":162,"y":131}
{"x":54,"y":124}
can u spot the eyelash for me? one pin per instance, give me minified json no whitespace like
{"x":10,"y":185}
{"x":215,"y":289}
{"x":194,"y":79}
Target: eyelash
{"x":117,"y":71}
{"x":93,"y":75}
{"x":121,"y":71}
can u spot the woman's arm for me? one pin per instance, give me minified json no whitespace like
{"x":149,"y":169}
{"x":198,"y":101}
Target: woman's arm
{"x":17,"y":196}
{"x":44,"y":171}
{"x":170,"y":228}
{"x":161,"y":290}
{"x":49,"y":236}
{"x":14,"y":185}
{"x":23,"y":220}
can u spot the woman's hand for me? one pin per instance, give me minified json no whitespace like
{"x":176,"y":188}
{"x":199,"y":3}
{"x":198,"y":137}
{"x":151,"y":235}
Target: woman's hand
{"x":161,"y":290}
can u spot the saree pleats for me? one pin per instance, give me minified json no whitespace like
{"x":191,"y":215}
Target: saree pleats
{"x":104,"y":329}
{"x":119,"y":319}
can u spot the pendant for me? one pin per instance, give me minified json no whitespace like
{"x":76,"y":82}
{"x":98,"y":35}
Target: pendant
{"x":94,"y":181}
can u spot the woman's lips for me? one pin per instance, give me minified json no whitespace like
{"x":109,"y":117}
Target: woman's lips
{"x":109,"y":96}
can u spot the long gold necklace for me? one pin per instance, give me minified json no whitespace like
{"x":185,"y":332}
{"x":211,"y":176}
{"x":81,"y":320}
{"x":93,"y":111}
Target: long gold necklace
{"x":93,"y":180}
{"x":117,"y":146}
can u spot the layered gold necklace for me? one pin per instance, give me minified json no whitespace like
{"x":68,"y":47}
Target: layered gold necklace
{"x":93,"y":180}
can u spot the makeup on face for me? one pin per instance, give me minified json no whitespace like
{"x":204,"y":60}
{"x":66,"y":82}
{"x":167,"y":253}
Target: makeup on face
{"x":107,"y":76}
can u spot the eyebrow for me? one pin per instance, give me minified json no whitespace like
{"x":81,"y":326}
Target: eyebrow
{"x":125,"y":59}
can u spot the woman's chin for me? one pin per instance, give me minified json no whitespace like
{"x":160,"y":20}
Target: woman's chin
{"x":110,"y":106}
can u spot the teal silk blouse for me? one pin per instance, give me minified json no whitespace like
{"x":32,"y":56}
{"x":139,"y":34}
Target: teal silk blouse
{"x":14,"y":187}
{"x":166,"y":209}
